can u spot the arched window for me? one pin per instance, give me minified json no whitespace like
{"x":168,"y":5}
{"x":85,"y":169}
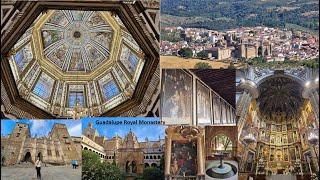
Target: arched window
{"x":134,"y":167}
{"x":110,"y":90}
{"x":27,"y":157}
{"x":75,"y":97}
{"x":221,"y":143}
{"x":43,"y":87}
{"x":133,"y":59}
{"x":128,"y":167}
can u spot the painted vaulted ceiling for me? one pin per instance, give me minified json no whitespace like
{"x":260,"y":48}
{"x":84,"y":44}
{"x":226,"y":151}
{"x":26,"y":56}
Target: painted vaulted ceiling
{"x":70,"y":56}
{"x":280,"y":95}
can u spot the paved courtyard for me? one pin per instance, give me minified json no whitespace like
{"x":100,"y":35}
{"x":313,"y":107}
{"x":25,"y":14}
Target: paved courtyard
{"x":47,"y":173}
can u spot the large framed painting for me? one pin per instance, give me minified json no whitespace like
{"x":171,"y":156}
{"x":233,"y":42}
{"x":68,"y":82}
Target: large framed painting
{"x":234,"y":119}
{"x":223,"y":112}
{"x":183,"y":158}
{"x":203,"y":104}
{"x":176,"y":98}
{"x":228,"y":113}
{"x":216,"y":108}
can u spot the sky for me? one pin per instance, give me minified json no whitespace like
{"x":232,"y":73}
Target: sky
{"x":152,"y":132}
{"x":41,"y":128}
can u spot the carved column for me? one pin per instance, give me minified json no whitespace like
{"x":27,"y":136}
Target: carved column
{"x":167,"y":156}
{"x":312,"y":94}
{"x":200,"y":156}
{"x":314,"y":100}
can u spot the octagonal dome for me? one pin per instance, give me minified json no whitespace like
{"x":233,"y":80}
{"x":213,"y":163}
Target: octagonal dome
{"x":76,"y":40}
{"x":70,"y":56}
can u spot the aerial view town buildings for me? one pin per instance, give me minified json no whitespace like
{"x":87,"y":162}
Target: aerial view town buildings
{"x":260,"y":44}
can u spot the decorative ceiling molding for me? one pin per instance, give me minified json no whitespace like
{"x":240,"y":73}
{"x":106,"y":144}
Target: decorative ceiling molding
{"x":132,"y":20}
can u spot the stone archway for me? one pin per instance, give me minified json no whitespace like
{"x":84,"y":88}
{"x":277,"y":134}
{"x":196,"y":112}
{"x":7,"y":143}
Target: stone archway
{"x":128,"y":167}
{"x":27,"y":157}
{"x":134,"y":167}
{"x":154,"y":165}
{"x":146,"y":165}
{"x":228,"y":132}
{"x":40,"y":156}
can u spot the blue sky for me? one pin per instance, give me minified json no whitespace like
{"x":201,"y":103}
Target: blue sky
{"x":142,"y":131}
{"x":41,"y":127}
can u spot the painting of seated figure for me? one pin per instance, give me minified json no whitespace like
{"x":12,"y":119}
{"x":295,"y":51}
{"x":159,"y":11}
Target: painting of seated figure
{"x":183,"y":158}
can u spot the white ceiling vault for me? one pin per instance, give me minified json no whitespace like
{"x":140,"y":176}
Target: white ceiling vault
{"x":70,"y":56}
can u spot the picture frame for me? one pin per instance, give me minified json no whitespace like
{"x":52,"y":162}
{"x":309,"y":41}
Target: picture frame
{"x":203,"y":104}
{"x":176,"y":97}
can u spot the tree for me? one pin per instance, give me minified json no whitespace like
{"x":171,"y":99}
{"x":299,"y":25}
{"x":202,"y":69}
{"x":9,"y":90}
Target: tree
{"x":110,"y":172}
{"x":151,"y":173}
{"x":202,"y":65}
{"x":185,"y":52}
{"x":93,"y":168}
{"x":161,"y":166}
{"x":203,"y":54}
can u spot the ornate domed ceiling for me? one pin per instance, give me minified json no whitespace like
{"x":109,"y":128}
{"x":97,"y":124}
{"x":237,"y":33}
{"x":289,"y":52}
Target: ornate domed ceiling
{"x":69,"y":58}
{"x":77,"y":40}
{"x":280,"y":96}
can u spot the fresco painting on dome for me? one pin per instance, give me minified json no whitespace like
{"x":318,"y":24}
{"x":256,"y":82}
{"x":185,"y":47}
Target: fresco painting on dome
{"x":59,"y":93}
{"x":203,"y":104}
{"x":58,"y":18}
{"x":31,"y":73}
{"x":76,"y":61}
{"x":94,"y":56}
{"x":103,"y":38}
{"x":44,"y":87}
{"x":176,"y":97}
{"x":58,"y":55}
{"x":95,"y":19}
{"x":129,"y":60}
{"x":128,"y":39}
{"x":183,"y":158}
{"x":92,"y":93}
{"x":24,"y":35}
{"x":23,"y":57}
{"x":51,"y":36}
{"x":77,"y":15}
{"x":122,"y":76}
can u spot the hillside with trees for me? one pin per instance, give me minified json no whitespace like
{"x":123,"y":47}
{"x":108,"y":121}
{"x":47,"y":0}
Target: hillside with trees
{"x":227,"y":14}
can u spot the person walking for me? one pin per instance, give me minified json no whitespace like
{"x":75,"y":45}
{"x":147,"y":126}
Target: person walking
{"x":38,"y":168}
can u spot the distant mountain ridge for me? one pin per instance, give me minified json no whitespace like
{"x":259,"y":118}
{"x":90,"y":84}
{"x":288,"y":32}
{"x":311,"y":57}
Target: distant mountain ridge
{"x":227,"y":14}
